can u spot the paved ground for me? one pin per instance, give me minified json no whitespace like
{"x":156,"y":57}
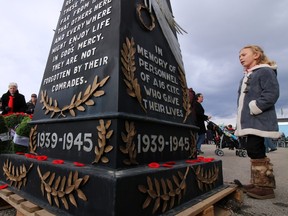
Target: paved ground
{"x":8,"y":212}
{"x":235,"y":167}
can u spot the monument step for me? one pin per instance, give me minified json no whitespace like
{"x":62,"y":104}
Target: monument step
{"x":72,"y":190}
{"x":207,"y":207}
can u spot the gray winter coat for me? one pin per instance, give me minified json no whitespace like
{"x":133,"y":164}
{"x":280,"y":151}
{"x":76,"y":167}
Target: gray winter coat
{"x":257,"y":95}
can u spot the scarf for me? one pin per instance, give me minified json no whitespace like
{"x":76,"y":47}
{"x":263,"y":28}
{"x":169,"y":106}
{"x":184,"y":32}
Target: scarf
{"x":11,"y":104}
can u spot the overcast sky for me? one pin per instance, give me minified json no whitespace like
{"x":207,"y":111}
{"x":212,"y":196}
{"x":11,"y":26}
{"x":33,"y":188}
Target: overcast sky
{"x":217,"y":30}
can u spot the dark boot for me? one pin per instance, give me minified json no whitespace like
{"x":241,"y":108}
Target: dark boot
{"x":262,"y":178}
{"x":247,"y":187}
{"x":261,"y":193}
{"x":244,"y":188}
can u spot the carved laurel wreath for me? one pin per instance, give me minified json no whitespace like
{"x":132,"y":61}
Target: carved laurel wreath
{"x":51,"y":105}
{"x":139,"y":9}
{"x":103,"y":148}
{"x":186,"y":101}
{"x":16,"y":175}
{"x":206,"y":178}
{"x":33,"y":139}
{"x":128,"y":68}
{"x":62,"y":188}
{"x":193,"y":150}
{"x":130,"y":147}
{"x":164,"y":192}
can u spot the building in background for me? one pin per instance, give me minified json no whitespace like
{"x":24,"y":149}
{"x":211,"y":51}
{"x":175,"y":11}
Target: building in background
{"x":283,"y":125}
{"x":283,"y":128}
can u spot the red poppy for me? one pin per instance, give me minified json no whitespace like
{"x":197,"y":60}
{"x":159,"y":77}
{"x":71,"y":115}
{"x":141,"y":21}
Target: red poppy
{"x":78,"y":164}
{"x":171,"y":162}
{"x":30,"y":156}
{"x":191,"y":161}
{"x":41,"y":158}
{"x":58,"y":161}
{"x":154,"y":165}
{"x":3,"y":186}
{"x":167,"y":165}
{"x":208,"y":159}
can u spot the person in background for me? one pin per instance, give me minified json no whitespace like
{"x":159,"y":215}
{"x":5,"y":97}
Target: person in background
{"x":230,"y":129}
{"x":269,"y":145}
{"x":31,"y":104}
{"x":1,"y":106}
{"x":256,"y":118}
{"x":12,"y":100}
{"x":192,"y":100}
{"x":200,"y":122}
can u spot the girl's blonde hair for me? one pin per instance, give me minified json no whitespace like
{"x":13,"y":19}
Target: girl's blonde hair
{"x":263,"y":59}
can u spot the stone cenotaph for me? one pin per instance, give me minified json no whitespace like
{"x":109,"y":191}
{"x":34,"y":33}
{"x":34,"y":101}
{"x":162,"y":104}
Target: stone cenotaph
{"x":113,"y":131}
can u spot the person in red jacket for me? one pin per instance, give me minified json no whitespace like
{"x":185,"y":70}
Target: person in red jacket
{"x":12,"y":100}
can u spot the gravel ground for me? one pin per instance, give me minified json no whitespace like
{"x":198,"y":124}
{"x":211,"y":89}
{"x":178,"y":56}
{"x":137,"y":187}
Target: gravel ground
{"x":235,"y":167}
{"x":8,"y":212}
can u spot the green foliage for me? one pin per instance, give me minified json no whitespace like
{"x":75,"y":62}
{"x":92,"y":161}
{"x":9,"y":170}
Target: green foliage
{"x":18,"y":122}
{"x":19,"y":148}
{"x":14,"y":119}
{"x":6,"y":147}
{"x":3,"y":127}
{"x":24,"y":128}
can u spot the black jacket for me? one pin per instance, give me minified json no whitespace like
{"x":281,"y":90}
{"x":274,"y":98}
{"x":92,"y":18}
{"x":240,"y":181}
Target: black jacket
{"x":19,"y":102}
{"x":200,"y":117}
{"x":30,"y":107}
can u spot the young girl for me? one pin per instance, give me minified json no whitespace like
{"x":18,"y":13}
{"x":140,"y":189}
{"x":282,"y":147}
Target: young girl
{"x":256,"y":117}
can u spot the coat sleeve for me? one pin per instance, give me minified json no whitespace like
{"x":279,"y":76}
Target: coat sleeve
{"x":200,"y":112}
{"x":23,"y":105}
{"x":269,"y":94}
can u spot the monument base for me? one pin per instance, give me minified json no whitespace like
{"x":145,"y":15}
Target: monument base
{"x":72,"y":189}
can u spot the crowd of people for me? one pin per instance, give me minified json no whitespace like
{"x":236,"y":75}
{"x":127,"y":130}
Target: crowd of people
{"x":13,"y":102}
